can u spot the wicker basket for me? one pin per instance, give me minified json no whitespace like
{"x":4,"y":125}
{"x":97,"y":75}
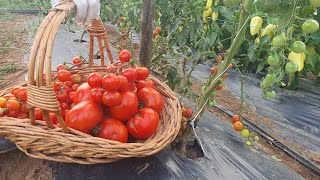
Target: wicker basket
{"x":43,"y":140}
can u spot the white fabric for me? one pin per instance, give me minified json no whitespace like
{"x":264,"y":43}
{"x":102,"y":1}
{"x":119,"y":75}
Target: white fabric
{"x":87,"y":10}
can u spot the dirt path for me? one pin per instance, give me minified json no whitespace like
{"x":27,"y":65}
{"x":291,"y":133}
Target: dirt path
{"x":13,"y":45}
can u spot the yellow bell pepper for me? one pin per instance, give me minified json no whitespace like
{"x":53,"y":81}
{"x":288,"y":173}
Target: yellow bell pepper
{"x":209,"y":4}
{"x":215,"y":16}
{"x":298,"y":58}
{"x":269,"y":30}
{"x":206,"y":13}
{"x":255,"y":25}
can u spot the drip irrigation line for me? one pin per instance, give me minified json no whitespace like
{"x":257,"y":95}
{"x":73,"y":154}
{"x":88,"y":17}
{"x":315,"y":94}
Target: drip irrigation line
{"x":306,"y":162}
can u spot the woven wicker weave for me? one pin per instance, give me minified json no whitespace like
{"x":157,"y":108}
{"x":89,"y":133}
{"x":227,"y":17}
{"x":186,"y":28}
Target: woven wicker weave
{"x":43,"y":140}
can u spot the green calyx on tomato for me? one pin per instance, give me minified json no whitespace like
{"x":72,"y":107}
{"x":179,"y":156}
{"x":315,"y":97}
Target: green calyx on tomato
{"x":279,"y":40}
{"x":291,"y":67}
{"x":298,"y":47}
{"x":310,"y":26}
{"x":273,"y":60}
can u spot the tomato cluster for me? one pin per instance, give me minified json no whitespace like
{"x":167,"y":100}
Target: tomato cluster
{"x":114,"y":104}
{"x":156,"y":33}
{"x":239,"y":127}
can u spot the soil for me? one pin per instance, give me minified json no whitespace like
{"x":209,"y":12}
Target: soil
{"x":13,"y":45}
{"x":16,"y":165}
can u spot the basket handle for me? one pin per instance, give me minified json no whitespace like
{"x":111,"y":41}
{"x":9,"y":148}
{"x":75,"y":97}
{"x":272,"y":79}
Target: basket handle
{"x":40,"y":92}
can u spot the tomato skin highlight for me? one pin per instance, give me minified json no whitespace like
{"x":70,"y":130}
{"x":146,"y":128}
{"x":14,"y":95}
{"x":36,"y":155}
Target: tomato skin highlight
{"x":144,"y":124}
{"x":113,"y":130}
{"x":151,"y":98}
{"x":127,"y":108}
{"x":83,"y":93}
{"x":84,"y":116}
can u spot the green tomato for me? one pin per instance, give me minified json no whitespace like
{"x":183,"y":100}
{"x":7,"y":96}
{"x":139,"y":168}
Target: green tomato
{"x":245,"y":133}
{"x":310,"y":26}
{"x":256,"y":138}
{"x":231,"y":2}
{"x":273,"y":60}
{"x":263,"y":85}
{"x":315,"y":3}
{"x":298,"y":47}
{"x":270,"y":78}
{"x":248,"y":143}
{"x":291,"y":67}
{"x":269,"y":95}
{"x":279,"y":40}
{"x":212,"y":103}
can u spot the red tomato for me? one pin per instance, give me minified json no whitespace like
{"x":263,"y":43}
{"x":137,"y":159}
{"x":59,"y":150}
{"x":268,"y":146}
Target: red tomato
{"x":158,"y":30}
{"x":68,"y":84}
{"x":83,"y":93}
{"x":130,"y":73}
{"x":71,"y":97}
{"x":114,"y":130}
{"x":75,"y":87}
{"x":13,"y":113}
{"x":56,"y":86}
{"x":143,"y":73}
{"x":9,"y":96}
{"x":76,"y":79}
{"x":38,"y":114}
{"x":111,"y":99}
{"x":111,"y":82}
{"x":235,"y":118}
{"x":94,"y":80}
{"x":214,"y":69}
{"x":151,"y":98}
{"x":124,"y":83}
{"x":96,"y":94}
{"x":64,"y":75}
{"x":22,"y":115}
{"x":62,"y":96}
{"x":144,"y":124}
{"x":127,"y":108}
{"x":132,"y":87}
{"x":77,"y":60}
{"x":64,"y":113}
{"x":15,"y":90}
{"x":22,"y":94}
{"x":53,"y":118}
{"x":187,"y":113}
{"x":225,"y":76}
{"x":145,"y":83}
{"x":219,"y":59}
{"x":64,"y":106}
{"x":66,"y":89}
{"x":23,"y":107}
{"x":12,"y":105}
{"x":84,"y":116}
{"x":62,"y":67}
{"x":111,"y":69}
{"x":125,"y":56}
